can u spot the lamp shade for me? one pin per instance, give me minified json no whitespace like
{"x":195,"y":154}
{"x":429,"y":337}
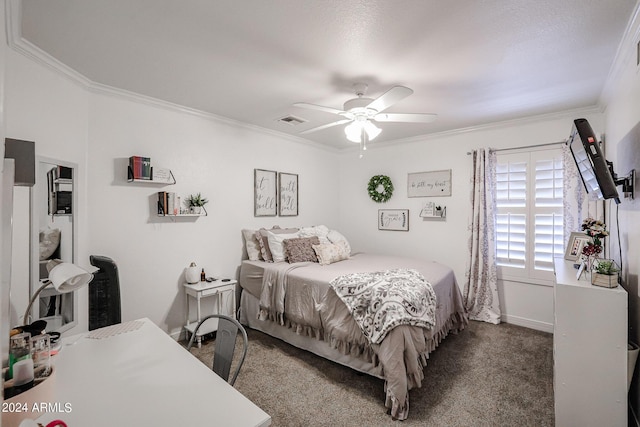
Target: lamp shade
{"x":67,"y":277}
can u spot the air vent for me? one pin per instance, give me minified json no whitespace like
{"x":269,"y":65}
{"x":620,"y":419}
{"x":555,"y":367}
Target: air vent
{"x":292,"y":120}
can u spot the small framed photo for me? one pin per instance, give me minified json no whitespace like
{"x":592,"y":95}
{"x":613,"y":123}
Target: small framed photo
{"x":574,"y":247}
{"x":393,"y":219}
{"x":580,"y":270}
{"x":265,"y":193}
{"x":288,"y":185}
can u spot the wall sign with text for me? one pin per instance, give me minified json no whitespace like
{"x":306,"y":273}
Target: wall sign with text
{"x":288,"y":185}
{"x":265,"y":193}
{"x":429,"y":184}
{"x":393,"y":219}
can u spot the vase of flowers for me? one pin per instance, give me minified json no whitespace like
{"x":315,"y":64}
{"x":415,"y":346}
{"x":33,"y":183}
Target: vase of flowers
{"x":597,"y":230}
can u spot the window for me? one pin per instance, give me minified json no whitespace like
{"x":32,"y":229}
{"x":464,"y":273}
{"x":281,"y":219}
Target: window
{"x":529,"y":229}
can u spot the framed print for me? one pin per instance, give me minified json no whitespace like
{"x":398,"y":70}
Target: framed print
{"x":265,"y":193}
{"x":574,"y":247}
{"x":429,"y":184}
{"x":288,"y":185}
{"x":393,"y":219}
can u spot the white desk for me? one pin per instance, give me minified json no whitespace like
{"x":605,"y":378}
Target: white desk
{"x":143,"y":378}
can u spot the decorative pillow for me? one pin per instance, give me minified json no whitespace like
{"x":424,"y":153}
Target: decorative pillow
{"x":336,"y":237}
{"x":328,"y":253}
{"x":49,"y":241}
{"x":252,"y":245}
{"x":261,"y":236}
{"x":317,"y":230}
{"x":275,"y":244}
{"x":300,"y":249}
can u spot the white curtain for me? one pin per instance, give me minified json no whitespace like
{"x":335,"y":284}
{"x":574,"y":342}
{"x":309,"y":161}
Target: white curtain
{"x":573,"y":194}
{"x":481,"y":284}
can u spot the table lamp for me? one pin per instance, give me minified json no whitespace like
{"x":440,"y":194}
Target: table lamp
{"x":65,"y":277}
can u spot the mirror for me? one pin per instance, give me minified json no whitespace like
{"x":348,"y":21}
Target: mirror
{"x":53,"y":236}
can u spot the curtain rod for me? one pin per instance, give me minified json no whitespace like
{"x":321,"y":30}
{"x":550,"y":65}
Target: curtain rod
{"x":527,"y":146}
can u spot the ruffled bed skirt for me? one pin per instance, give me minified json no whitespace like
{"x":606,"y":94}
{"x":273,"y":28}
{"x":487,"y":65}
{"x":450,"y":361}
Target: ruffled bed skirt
{"x":399,"y":408}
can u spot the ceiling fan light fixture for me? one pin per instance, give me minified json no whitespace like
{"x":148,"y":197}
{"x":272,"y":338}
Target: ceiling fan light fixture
{"x":354,"y":130}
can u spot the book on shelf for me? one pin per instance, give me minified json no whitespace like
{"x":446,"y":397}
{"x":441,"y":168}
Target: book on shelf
{"x":168,"y":203}
{"x":140,"y":167}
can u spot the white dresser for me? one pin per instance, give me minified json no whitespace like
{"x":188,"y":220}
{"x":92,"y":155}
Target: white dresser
{"x":589,"y":351}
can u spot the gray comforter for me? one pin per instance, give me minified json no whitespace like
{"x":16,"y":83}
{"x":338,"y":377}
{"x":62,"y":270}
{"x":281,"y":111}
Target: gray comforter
{"x":299,"y":296}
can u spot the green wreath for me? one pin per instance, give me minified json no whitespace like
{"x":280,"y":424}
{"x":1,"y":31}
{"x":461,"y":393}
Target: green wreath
{"x":374,"y":190}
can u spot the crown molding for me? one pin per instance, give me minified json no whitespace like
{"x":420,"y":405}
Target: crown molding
{"x":596,"y":109}
{"x":625,"y":53}
{"x":15,"y":40}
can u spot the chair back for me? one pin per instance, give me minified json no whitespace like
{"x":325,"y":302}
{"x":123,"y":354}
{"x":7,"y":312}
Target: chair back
{"x":104,"y":293}
{"x":225,"y":347}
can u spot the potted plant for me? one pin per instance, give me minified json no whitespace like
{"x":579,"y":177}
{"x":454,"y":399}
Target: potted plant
{"x":605,"y":273}
{"x":196,"y":203}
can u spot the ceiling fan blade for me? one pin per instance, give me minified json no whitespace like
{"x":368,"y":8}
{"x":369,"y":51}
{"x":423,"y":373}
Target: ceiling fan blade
{"x":339,"y":122}
{"x":318,"y":107}
{"x":405,"y":117}
{"x":389,"y":98}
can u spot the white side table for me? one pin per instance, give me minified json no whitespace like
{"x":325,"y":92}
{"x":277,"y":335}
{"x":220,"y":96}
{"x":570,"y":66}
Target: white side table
{"x":208,"y":289}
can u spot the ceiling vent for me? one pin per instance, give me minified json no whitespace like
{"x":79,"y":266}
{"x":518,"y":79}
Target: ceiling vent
{"x":292,"y":120}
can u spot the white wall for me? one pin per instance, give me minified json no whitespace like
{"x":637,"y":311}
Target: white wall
{"x":44,"y":107}
{"x":623,"y":148}
{"x":100,"y":131}
{"x":210,"y":156}
{"x":446,"y":242}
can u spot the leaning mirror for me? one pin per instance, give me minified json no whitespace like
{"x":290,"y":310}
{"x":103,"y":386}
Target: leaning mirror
{"x":53,"y":236}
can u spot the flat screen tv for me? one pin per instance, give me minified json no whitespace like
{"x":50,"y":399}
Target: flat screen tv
{"x":592,"y":165}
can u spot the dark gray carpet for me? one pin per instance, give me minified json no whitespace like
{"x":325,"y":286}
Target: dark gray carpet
{"x":487,"y":375}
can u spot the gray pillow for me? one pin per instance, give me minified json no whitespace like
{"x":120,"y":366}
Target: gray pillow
{"x":300,"y":249}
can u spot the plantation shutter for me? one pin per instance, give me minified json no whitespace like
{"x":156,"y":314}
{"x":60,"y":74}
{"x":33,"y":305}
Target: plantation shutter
{"x":529,"y":228}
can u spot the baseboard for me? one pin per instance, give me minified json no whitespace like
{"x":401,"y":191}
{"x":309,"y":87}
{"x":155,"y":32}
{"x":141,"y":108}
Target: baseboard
{"x":528,"y":323}
{"x":177,"y":334}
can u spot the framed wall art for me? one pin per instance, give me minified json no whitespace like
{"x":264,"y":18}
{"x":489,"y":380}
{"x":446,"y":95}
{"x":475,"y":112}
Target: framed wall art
{"x":265,"y":193}
{"x":288,"y":185}
{"x":393,"y":219}
{"x":429,"y":184}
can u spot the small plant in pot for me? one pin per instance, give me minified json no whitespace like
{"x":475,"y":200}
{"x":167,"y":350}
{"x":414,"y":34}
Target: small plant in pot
{"x":605,"y":273}
{"x":196,"y":203}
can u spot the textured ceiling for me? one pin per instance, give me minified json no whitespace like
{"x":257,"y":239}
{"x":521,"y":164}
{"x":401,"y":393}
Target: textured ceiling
{"x":471,"y":61}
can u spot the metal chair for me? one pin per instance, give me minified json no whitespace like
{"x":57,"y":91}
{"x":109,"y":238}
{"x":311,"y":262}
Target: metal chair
{"x":226,"y":334}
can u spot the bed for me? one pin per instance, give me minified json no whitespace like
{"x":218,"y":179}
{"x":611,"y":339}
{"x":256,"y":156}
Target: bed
{"x":296,"y":302}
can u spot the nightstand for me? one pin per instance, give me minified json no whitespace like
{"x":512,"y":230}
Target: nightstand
{"x":202,"y":290}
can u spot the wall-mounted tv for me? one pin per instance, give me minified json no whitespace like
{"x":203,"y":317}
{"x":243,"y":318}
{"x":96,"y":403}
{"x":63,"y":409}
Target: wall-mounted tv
{"x":592,"y":165}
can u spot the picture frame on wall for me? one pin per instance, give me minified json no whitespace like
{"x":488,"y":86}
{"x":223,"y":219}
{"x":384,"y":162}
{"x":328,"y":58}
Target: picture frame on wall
{"x":576,"y":242}
{"x":265,"y":192}
{"x":393,"y":219}
{"x":288,"y":194}
{"x":429,"y":184}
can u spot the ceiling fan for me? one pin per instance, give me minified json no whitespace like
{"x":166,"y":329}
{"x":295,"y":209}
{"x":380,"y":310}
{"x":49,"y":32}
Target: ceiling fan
{"x":361,"y":111}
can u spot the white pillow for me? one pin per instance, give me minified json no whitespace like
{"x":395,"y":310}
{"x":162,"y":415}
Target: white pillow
{"x":275,"y":244}
{"x":335,"y":237}
{"x":320,"y":231}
